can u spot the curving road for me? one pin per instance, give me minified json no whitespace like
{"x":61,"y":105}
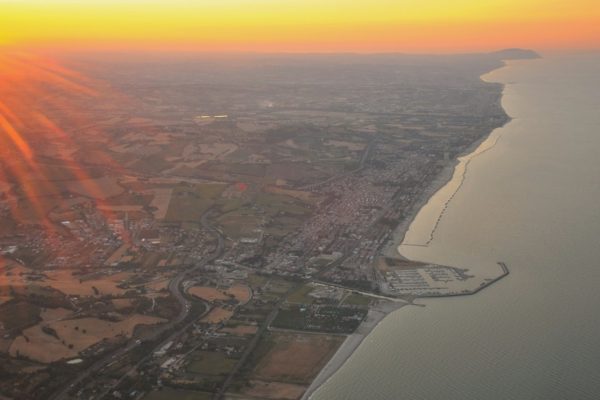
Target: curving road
{"x":175,"y":288}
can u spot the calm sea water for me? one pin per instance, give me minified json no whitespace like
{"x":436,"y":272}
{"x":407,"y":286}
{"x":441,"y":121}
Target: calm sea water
{"x":532,"y":201}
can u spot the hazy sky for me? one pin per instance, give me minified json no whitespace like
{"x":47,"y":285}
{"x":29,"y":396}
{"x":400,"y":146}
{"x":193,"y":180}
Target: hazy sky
{"x":302,"y":25}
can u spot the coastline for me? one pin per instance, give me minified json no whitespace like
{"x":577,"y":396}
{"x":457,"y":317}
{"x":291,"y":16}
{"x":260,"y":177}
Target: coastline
{"x":439,"y":182}
{"x":391,"y":250}
{"x":351,"y":343}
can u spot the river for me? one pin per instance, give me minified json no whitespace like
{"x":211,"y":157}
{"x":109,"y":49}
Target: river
{"x":532,"y":201}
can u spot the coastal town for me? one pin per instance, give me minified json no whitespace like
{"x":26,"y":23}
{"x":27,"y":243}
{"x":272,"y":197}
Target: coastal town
{"x":198,"y":225}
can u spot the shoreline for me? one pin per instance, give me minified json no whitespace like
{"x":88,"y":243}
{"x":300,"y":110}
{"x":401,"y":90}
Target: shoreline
{"x":391,"y":250}
{"x":374,"y":317}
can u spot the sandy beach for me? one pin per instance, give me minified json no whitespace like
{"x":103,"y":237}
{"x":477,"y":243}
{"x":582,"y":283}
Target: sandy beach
{"x":378,"y":313}
{"x":441,"y":180}
{"x":374,"y":317}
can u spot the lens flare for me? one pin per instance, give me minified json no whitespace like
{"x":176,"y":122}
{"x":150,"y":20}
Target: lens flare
{"x":43,"y":112}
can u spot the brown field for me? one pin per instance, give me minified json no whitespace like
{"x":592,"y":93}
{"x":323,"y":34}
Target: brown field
{"x":121,"y":304}
{"x":123,"y":208}
{"x":53,"y":314}
{"x":273,"y":390}
{"x":75,"y":335}
{"x":157,"y":285}
{"x":241,"y":330}
{"x":217,"y":315}
{"x":302,"y":195}
{"x":352,"y":146}
{"x":240,"y":292}
{"x":208,"y":293}
{"x":12,"y":274}
{"x":67,"y":283}
{"x":161,"y":200}
{"x":308,"y":352}
{"x":4,"y":263}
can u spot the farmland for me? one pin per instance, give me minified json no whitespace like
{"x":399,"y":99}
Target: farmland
{"x":308,"y":352}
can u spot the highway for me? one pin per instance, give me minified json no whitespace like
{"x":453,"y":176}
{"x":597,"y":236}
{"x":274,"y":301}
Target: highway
{"x":254,"y":342}
{"x":175,"y":287}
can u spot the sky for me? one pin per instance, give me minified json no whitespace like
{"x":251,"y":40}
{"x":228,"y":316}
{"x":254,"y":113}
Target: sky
{"x":301,"y":25}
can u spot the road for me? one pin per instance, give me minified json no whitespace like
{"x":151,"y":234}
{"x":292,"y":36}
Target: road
{"x":253,"y":343}
{"x":175,"y":287}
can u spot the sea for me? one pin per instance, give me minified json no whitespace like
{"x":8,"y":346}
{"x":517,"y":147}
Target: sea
{"x":528,"y":197}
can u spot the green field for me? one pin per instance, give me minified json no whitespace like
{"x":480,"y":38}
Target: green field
{"x":278,"y":286}
{"x":172,"y":394}
{"x":228,"y":205}
{"x":328,"y":319}
{"x":283,"y":225}
{"x":301,"y":296}
{"x":256,"y":281}
{"x":274,"y":204}
{"x":188,"y":203}
{"x":19,"y":315}
{"x":151,"y":164}
{"x":211,"y":363}
{"x":239,"y":223}
{"x":355,"y":299}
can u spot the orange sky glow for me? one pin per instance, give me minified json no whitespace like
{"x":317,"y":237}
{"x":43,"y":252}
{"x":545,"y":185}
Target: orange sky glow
{"x":301,"y":25}
{"x":39,"y":98}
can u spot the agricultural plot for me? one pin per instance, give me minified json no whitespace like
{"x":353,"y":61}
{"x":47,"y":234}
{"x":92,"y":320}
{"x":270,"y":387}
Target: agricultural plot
{"x":100,"y":188}
{"x":171,"y":394}
{"x":239,"y":293}
{"x":295,"y":358}
{"x":240,"y":330}
{"x":275,"y":204}
{"x":273,"y":390}
{"x":208,"y":293}
{"x":277,"y":286}
{"x":301,"y":195}
{"x":188,"y":203}
{"x":355,"y":299}
{"x":35,"y":209}
{"x":256,"y":281}
{"x":301,"y":295}
{"x":67,"y":283}
{"x":5,"y":187}
{"x":52,"y":341}
{"x":217,"y":315}
{"x":239,"y":223}
{"x":351,"y":146}
{"x":328,"y":319}
{"x":282,"y":226}
{"x":19,"y":315}
{"x":161,"y":201}
{"x":210,"y":363}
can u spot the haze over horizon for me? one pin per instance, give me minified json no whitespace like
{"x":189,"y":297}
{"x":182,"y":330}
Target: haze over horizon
{"x":300,"y":26}
{"x":299,"y":199}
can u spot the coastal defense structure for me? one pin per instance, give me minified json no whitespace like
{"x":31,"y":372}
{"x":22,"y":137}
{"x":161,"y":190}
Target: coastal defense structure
{"x":408,"y":278}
